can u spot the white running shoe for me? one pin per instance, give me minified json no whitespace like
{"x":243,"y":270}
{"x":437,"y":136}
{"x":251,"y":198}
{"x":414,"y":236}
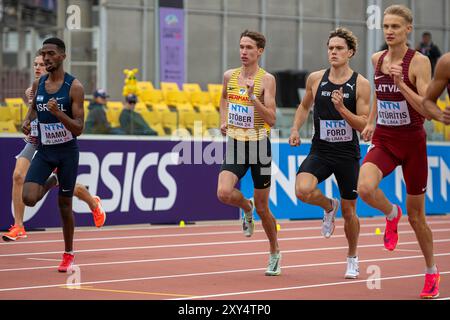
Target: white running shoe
{"x":274,"y":267}
{"x":328,"y":220}
{"x":352,"y":268}
{"x":248,"y":221}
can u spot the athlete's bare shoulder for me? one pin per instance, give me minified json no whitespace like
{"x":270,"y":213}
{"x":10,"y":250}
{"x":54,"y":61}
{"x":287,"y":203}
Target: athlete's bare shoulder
{"x":268,"y":77}
{"x":314,"y":77}
{"x":376,"y":56}
{"x":443,"y":65}
{"x":363,"y":88}
{"x":77,"y":84}
{"x":446,"y":59}
{"x":419,"y":58}
{"x":420,"y":67}
{"x":77,"y":90}
{"x":361,"y":80}
{"x":227,"y":74}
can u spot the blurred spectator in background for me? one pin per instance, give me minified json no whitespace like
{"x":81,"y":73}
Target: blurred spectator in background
{"x":428,"y":48}
{"x":96,"y":122}
{"x":132,"y":122}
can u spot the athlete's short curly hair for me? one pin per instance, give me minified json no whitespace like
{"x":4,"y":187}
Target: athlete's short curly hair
{"x":347,"y":35}
{"x":256,"y":36}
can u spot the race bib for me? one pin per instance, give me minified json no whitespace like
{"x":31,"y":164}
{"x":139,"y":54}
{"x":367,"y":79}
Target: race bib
{"x":335,"y":131}
{"x":54,"y":133}
{"x":34,"y":128}
{"x":393,"y":113}
{"x":241,"y":116}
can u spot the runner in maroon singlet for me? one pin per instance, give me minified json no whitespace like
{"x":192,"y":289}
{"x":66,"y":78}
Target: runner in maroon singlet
{"x":399,"y":139}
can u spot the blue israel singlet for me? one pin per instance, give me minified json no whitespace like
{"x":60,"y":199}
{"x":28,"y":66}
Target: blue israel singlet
{"x":51,"y":131}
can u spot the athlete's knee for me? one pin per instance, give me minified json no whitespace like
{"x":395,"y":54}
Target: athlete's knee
{"x":303,"y":193}
{"x":416,"y":221}
{"x":65,"y":204}
{"x":19,"y":177}
{"x":29,"y":199}
{"x":348,"y":211}
{"x":366,"y":190}
{"x":262,"y":209}
{"x":224,"y":194}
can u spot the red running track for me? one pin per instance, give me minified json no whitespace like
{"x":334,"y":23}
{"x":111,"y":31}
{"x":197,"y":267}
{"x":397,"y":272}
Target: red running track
{"x":215,"y":261}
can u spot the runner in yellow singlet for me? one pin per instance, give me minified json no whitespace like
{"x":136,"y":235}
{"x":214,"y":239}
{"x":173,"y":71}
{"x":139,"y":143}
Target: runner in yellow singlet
{"x":247,"y":113}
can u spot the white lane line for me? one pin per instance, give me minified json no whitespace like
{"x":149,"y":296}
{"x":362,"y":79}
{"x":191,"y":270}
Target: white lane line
{"x":154,"y":236}
{"x":208,"y":256}
{"x":233,"y":223}
{"x":179,"y":235}
{"x":42,"y":259}
{"x":448,"y":298}
{"x":208,"y":273}
{"x":238,"y":293}
{"x":196,"y":244}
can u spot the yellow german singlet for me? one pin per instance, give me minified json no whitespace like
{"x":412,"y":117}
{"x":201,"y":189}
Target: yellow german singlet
{"x":244,"y":121}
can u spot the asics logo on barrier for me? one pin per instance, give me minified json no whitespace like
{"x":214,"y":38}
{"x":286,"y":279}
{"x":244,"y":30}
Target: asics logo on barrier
{"x":129,"y":184}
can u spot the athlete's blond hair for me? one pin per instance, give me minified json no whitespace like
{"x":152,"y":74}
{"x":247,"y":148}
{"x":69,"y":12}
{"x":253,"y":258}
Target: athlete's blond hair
{"x":400,"y":10}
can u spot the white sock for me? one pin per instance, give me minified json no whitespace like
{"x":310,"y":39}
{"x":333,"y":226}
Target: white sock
{"x":393,"y":213}
{"x":70,"y":252}
{"x":431,"y":270}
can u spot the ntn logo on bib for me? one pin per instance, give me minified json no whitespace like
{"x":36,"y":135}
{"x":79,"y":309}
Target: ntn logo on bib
{"x":241,"y":116}
{"x":54,"y":133}
{"x":393,"y":113}
{"x":335,"y":131}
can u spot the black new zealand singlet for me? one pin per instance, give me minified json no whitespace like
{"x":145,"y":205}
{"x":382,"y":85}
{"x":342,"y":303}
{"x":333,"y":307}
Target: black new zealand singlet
{"x":332,"y":134}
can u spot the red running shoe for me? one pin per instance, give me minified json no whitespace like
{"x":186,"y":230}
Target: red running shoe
{"x":67,"y":263}
{"x":391,"y":232}
{"x":98,"y":213}
{"x":15,"y":233}
{"x":431,"y":287}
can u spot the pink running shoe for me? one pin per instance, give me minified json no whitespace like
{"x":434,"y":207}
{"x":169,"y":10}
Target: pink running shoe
{"x":67,"y":263}
{"x":431,"y":288}
{"x":391,"y":232}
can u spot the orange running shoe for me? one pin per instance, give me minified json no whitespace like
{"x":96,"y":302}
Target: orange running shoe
{"x":98,"y":213}
{"x":14,"y":233}
{"x":67,"y":263}
{"x":391,"y":232}
{"x":431,"y":287}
